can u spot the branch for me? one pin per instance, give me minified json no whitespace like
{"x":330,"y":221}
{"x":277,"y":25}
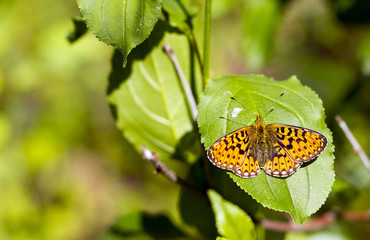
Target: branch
{"x":189,"y":94}
{"x":356,"y":216}
{"x":160,"y":167}
{"x":317,"y":223}
{"x":356,"y":146}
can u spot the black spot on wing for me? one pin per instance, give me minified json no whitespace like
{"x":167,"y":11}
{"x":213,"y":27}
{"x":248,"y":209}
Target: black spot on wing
{"x":280,"y":136}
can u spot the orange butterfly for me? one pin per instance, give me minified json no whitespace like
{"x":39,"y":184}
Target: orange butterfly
{"x":278,"y":149}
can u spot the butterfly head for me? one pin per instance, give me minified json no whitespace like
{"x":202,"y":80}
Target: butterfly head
{"x":258,"y":118}
{"x":259,"y":125}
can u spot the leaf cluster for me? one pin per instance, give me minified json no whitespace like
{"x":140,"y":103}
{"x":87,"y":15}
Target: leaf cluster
{"x":151,"y":108}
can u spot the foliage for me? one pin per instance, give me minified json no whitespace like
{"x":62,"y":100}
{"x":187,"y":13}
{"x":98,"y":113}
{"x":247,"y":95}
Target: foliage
{"x":231,"y":221}
{"x":148,"y":86}
{"x":66,"y":172}
{"x":122,"y":24}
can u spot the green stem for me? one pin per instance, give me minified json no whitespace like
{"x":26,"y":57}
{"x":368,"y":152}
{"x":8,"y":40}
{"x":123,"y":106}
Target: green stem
{"x":207,"y":38}
{"x":196,"y":49}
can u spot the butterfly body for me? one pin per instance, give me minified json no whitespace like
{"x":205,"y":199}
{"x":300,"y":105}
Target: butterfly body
{"x":278,"y":149}
{"x":260,"y":136}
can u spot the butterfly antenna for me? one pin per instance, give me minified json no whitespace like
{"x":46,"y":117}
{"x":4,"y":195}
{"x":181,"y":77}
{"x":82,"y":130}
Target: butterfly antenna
{"x":233,"y":121}
{"x":243,"y":106}
{"x":269,"y":109}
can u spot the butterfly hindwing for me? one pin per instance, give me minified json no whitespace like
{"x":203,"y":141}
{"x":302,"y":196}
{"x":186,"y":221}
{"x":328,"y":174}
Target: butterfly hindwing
{"x":250,"y":167}
{"x":279,"y":164}
{"x":300,"y":144}
{"x":234,"y":152}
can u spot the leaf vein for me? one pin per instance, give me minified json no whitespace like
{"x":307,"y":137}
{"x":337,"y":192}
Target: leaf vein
{"x":103,"y":22}
{"x":147,"y":77}
{"x":162,"y":94}
{"x":146,"y":134}
{"x":141,"y":105}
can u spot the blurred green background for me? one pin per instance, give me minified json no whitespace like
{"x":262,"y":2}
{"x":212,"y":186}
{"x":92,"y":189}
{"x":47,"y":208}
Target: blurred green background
{"x":66,"y":172}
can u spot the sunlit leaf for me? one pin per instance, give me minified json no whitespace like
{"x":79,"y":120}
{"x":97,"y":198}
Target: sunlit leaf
{"x":147,"y":97}
{"x":231,"y":221}
{"x":122,"y":24}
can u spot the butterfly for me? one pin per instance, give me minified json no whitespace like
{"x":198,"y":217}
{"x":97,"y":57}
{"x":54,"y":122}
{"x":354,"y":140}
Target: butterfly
{"x":278,"y":149}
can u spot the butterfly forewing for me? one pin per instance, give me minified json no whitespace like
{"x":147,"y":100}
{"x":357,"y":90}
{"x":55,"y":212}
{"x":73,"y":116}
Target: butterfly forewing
{"x":234,"y":152}
{"x":300,"y":144}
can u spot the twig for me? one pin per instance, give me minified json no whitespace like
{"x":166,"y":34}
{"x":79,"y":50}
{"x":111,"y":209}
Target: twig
{"x":315,"y":224}
{"x":160,"y":167}
{"x":356,"y":216}
{"x":356,"y":146}
{"x":190,"y":98}
{"x":189,"y":94}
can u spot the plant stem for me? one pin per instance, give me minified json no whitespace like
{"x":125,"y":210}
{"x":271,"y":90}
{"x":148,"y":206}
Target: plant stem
{"x":189,"y":32}
{"x":356,"y":146}
{"x":185,"y":85}
{"x":315,"y":224}
{"x":207,"y":38}
{"x":322,"y":221}
{"x":160,"y":167}
{"x":196,"y":49}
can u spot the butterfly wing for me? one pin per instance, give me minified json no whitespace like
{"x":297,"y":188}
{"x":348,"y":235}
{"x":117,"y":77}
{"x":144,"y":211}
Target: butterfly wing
{"x":279,"y":163}
{"x":300,"y":144}
{"x":289,"y":147}
{"x":234,"y":152}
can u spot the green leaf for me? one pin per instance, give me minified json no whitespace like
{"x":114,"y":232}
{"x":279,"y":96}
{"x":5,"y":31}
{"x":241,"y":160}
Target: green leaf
{"x":180,"y":13}
{"x":231,"y":221}
{"x":301,"y":194}
{"x":225,"y":186}
{"x":122,"y":24}
{"x":147,"y":97}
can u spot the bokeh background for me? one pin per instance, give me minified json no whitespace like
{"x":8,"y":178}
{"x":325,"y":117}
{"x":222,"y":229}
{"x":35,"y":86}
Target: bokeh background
{"x":66,"y":172}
